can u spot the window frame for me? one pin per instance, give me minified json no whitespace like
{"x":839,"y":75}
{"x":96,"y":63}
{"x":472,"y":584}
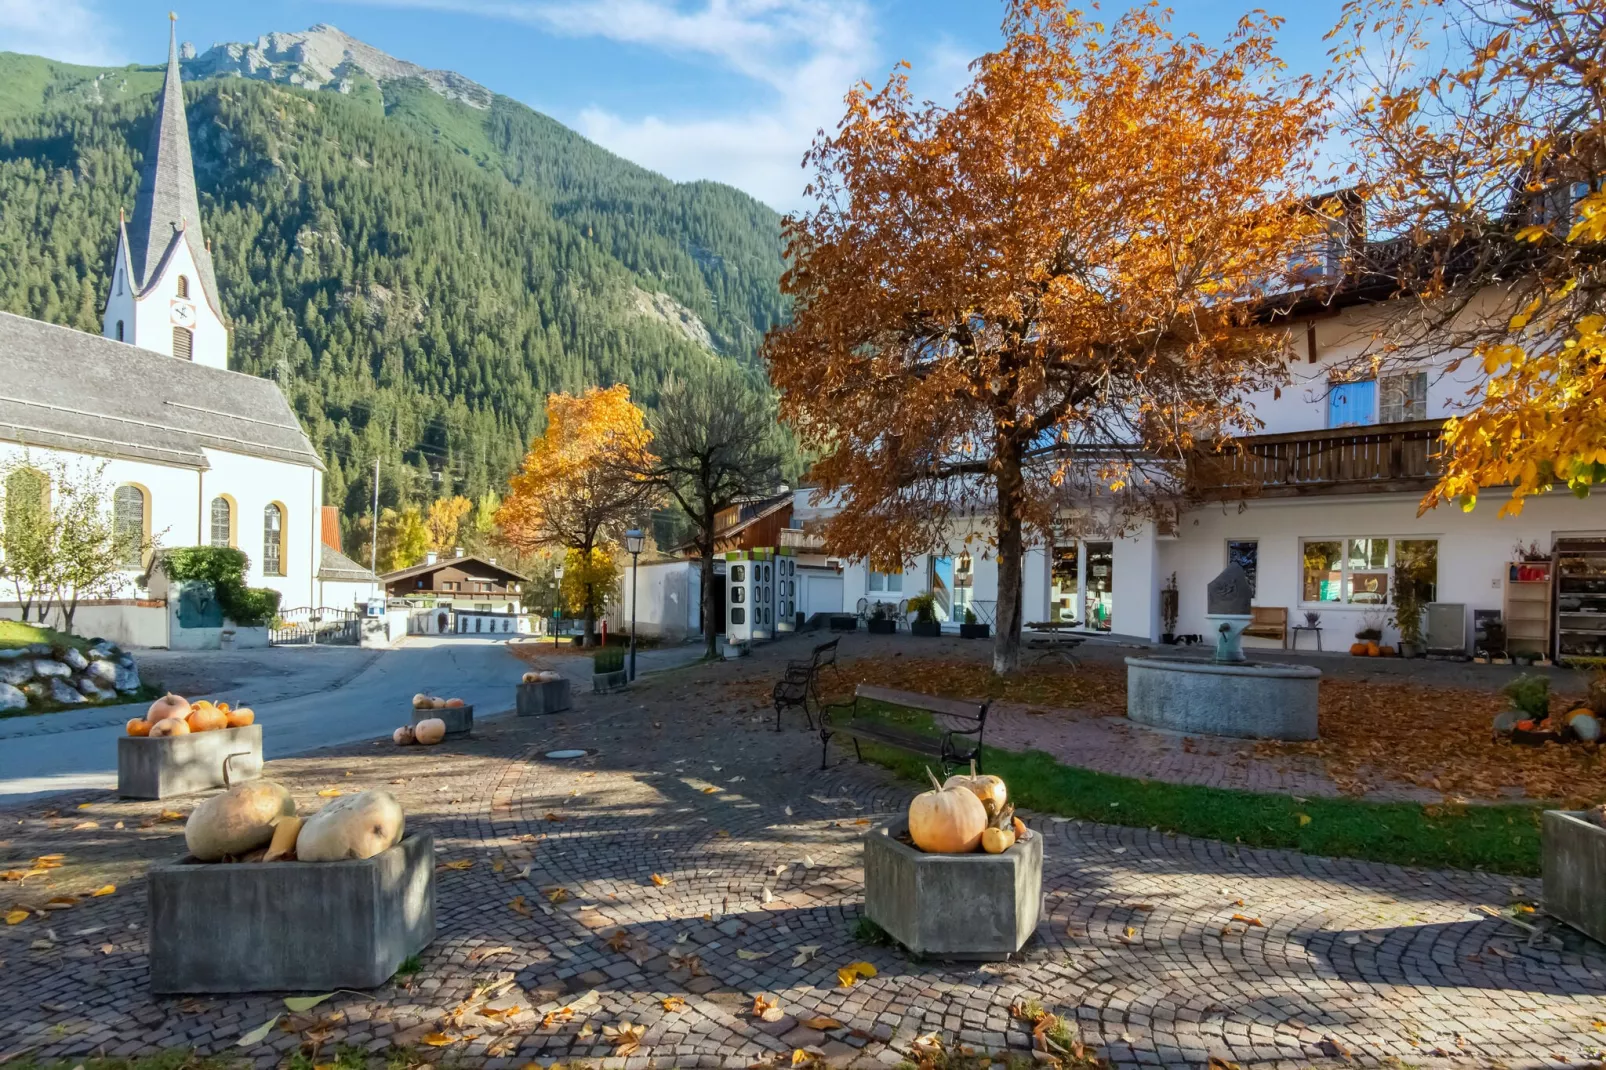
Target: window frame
{"x":233,"y":535}
{"x":281,"y":566}
{"x":137,"y":563}
{"x":1346,"y":571}
{"x":1396,"y":385}
{"x":890,"y":582}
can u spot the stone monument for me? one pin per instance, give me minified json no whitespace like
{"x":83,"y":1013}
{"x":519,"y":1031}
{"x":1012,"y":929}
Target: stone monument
{"x":1227,"y":607}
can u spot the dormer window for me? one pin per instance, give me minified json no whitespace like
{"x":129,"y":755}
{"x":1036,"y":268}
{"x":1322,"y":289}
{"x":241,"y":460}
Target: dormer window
{"x":183,"y":286}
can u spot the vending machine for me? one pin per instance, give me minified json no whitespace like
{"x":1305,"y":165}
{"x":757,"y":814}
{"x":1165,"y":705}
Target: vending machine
{"x":738,"y":597}
{"x":763,"y":593}
{"x":785,"y":590}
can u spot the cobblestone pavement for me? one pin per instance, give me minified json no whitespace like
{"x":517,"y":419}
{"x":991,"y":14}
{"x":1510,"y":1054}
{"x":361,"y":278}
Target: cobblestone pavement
{"x":1164,"y":950}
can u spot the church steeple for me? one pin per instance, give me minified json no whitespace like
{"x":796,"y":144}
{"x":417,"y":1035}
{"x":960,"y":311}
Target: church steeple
{"x":163,"y":294}
{"x":168,"y":210}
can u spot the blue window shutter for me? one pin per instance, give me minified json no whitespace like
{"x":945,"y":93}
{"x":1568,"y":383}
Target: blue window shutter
{"x":1352,"y":404}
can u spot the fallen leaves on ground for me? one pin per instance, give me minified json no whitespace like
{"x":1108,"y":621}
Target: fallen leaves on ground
{"x":437,"y":1040}
{"x":620,"y":940}
{"x":624,"y":1037}
{"x":556,"y":895}
{"x":330,"y":793}
{"x":673,"y":1004}
{"x":459,"y":865}
{"x":805,"y":952}
{"x":13,"y":917}
{"x":659,"y":880}
{"x":520,"y":907}
{"x":822,"y":1023}
{"x":851,"y":974}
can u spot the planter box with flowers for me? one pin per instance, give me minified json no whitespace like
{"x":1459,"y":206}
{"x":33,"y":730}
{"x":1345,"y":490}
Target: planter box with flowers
{"x":926,"y":624}
{"x":960,"y":878}
{"x":970,"y":629}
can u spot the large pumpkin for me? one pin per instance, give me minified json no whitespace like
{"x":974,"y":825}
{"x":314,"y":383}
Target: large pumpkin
{"x":946,"y":821}
{"x":205,"y":717}
{"x":430,"y":731}
{"x":453,"y":704}
{"x":139,"y":727}
{"x":238,"y":820}
{"x":1358,"y":649}
{"x":532,"y":678}
{"x":352,"y":826}
{"x":1373,"y":650}
{"x":987,"y":788}
{"x":241,"y":717}
{"x":169,"y":726}
{"x":169,"y":705}
{"x":422,"y":701}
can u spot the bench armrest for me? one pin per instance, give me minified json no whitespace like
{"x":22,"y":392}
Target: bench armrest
{"x":825,"y":711}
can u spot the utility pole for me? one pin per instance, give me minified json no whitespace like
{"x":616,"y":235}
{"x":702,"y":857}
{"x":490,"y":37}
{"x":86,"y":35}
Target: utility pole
{"x":373,"y":529}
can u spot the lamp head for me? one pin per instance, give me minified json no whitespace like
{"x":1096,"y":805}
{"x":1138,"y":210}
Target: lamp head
{"x":635,"y":541}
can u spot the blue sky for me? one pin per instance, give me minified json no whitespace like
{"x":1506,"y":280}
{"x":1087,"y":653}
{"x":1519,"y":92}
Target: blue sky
{"x":731,"y":90}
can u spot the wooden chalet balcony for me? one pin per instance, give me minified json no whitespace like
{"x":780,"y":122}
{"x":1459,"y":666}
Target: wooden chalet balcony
{"x":1375,"y":459}
{"x":801,"y":539}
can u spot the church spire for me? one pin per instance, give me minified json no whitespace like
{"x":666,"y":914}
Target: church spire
{"x":168,"y":210}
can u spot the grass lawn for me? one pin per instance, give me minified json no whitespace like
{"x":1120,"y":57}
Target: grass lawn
{"x":15,"y":633}
{"x":1500,"y":839}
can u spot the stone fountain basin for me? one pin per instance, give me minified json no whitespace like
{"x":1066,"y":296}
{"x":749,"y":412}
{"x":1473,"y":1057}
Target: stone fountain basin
{"x":1250,"y":700}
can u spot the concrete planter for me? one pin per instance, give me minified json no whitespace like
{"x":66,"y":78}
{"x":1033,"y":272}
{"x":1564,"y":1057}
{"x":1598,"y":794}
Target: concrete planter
{"x":605,"y":683}
{"x":930,"y":629}
{"x":739,"y":649}
{"x":844,"y":624}
{"x":290,"y":926}
{"x":540,"y":699}
{"x":1575,"y":871}
{"x":459,"y":720}
{"x":1248,"y":700}
{"x":974,"y":631}
{"x":881,"y":627}
{"x":975,"y":906}
{"x":178,"y":765}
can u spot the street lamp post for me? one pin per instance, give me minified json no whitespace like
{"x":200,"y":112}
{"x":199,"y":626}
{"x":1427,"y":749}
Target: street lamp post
{"x":557,"y":602}
{"x":634,"y":541}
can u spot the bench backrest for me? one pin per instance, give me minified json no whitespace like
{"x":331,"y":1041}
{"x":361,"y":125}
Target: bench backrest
{"x":949,"y":707}
{"x":1269,"y":615}
{"x":825,"y":653}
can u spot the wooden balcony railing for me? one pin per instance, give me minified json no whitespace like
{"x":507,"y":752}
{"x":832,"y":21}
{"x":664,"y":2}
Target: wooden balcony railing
{"x":799,"y":539}
{"x":1341,"y":460}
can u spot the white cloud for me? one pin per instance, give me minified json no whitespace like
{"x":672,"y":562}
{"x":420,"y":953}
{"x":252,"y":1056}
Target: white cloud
{"x":68,"y":30}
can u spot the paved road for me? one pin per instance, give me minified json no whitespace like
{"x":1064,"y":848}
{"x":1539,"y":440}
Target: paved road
{"x":332,"y":698}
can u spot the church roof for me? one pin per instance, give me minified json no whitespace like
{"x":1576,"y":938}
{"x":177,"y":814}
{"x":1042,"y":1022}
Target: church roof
{"x":167,"y":210}
{"x":64,"y":389}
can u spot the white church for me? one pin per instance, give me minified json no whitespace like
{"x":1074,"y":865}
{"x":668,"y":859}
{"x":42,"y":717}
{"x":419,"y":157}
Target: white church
{"x":199,"y":455}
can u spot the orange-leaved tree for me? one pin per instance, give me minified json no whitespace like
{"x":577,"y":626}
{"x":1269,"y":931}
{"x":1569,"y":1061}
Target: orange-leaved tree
{"x":445,"y":522}
{"x":1480,"y":127}
{"x":578,"y":487}
{"x":1044,"y":289}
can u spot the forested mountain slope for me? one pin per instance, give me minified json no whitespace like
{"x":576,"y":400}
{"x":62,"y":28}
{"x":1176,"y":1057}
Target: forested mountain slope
{"x":417,"y":272}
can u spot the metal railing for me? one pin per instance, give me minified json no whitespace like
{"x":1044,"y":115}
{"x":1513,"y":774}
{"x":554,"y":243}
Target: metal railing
{"x":1380,"y":457}
{"x":312,"y":627}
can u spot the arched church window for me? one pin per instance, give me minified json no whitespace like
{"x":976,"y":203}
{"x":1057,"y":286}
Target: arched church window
{"x":119,"y":330}
{"x":222,"y":521}
{"x":273,"y":540}
{"x":131,"y":523}
{"x":183,"y":286}
{"x":183,"y":342}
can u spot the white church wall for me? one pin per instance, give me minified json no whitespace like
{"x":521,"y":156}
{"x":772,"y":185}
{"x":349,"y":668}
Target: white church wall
{"x":149,"y":319}
{"x":254,"y":483}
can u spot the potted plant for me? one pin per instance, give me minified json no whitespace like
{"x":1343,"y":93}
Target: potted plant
{"x":970,"y":629}
{"x":1529,"y":695}
{"x":1367,"y":637}
{"x":924,"y":607}
{"x":608,"y":670}
{"x":1408,"y":608}
{"x":881,"y":620}
{"x":1169,"y":601}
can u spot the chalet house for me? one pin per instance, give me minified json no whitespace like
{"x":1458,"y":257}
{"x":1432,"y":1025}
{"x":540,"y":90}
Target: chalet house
{"x":466,"y":594}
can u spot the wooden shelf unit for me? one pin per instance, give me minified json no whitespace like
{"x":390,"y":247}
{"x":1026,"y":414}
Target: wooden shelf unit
{"x":1528,"y":609}
{"x":1581,"y":598}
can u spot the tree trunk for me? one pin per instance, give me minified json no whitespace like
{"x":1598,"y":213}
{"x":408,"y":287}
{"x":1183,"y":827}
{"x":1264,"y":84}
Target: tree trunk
{"x":1006,"y":647}
{"x":706,"y":596}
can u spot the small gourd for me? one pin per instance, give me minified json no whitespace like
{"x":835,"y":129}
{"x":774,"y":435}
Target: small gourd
{"x":422,"y":702}
{"x":139,"y":726}
{"x":430,"y":731}
{"x":403,"y":736}
{"x":997,"y":841}
{"x":352,"y":826}
{"x":947,"y":821}
{"x":169,"y":705}
{"x":1358,"y":649}
{"x":241,"y":717}
{"x":453,"y":704}
{"x":1386,"y":652}
{"x":531,"y":678}
{"x":169,"y":726}
{"x":989,"y":789}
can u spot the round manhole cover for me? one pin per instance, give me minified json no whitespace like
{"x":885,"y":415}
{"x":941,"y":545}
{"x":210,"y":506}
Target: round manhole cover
{"x":561,"y":754}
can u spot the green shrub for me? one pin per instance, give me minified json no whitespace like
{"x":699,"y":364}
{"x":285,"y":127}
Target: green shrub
{"x":924,"y":607}
{"x":970,"y":615}
{"x":224,"y":569}
{"x":608,"y":659}
{"x":1530,"y":694}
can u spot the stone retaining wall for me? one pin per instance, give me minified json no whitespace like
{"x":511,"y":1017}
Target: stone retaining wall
{"x":34,"y":675}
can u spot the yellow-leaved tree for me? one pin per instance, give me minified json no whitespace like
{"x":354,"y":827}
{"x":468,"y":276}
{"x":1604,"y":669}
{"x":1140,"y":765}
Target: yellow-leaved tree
{"x":1043,"y":292}
{"x":1481,"y":130}
{"x":579,"y":488}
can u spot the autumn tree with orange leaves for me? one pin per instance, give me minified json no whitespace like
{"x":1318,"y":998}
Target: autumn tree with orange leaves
{"x":576,"y":491}
{"x":1040,"y":295}
{"x":1480,"y":136}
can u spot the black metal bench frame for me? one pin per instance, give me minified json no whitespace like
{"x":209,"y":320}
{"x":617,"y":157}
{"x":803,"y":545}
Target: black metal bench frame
{"x":801,"y":682}
{"x":945,"y":748}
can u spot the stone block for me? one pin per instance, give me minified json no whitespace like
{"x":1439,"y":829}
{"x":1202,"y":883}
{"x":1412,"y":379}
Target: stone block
{"x":605,"y":683}
{"x":540,"y":699}
{"x":65,"y":693}
{"x":177,"y":765}
{"x":1575,"y":871}
{"x":459,"y":720}
{"x":290,"y":926}
{"x":1249,"y":700}
{"x":11,"y":698}
{"x":973,"y":906}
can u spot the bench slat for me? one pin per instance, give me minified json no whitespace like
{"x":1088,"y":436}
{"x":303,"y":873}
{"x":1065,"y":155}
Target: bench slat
{"x":880,"y":733}
{"x":914,"y":701}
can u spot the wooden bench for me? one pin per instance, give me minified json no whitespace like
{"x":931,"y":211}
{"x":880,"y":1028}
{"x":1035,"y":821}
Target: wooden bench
{"x":801,"y":682}
{"x":955,"y":718}
{"x":1268,"y":622}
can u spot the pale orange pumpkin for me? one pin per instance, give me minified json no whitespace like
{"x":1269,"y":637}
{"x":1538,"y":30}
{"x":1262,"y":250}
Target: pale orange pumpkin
{"x":946,"y":820}
{"x":241,"y":717}
{"x":987,"y":788}
{"x":422,"y":701}
{"x":454,"y":704}
{"x":432,"y":730}
{"x":1372,"y":650}
{"x":169,"y":705}
{"x":1358,"y":649}
{"x":205,"y":717}
{"x":531,"y":678}
{"x":437,"y":704}
{"x":139,"y":727}
{"x":169,"y":726}
{"x":403,"y":736}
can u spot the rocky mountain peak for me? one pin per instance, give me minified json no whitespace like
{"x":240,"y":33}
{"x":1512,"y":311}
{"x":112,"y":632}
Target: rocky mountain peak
{"x":323,"y":57}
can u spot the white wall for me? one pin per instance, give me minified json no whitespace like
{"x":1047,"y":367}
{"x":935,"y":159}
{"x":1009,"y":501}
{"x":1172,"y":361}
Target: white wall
{"x":148,"y":321}
{"x":668,"y":593}
{"x":1473,"y":550}
{"x":820,"y":591}
{"x":344,"y":594}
